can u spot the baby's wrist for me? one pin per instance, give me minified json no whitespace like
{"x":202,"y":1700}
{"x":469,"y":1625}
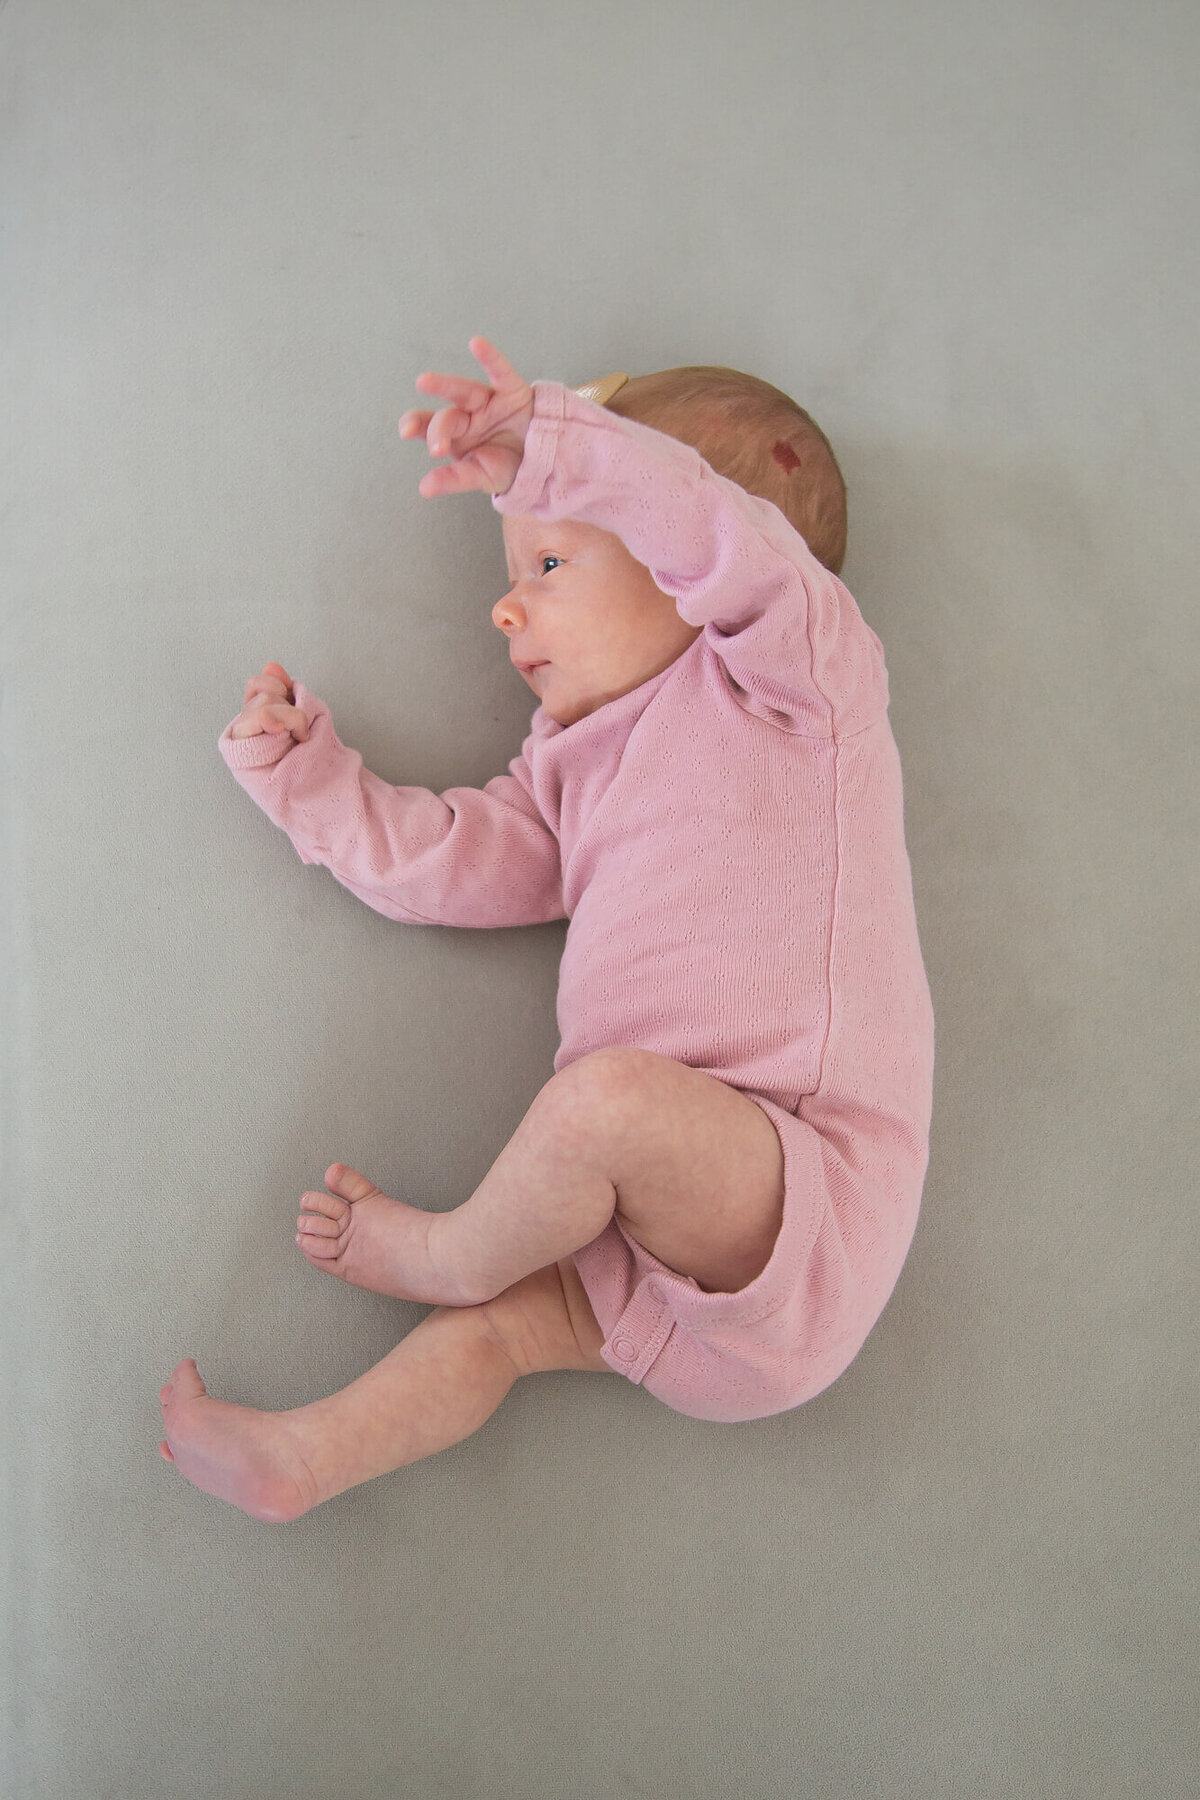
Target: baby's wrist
{"x":537,"y":458}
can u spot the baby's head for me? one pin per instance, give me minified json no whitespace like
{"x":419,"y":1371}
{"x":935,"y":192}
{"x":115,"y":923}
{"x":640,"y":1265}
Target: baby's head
{"x":755,"y":435}
{"x":586,"y":613}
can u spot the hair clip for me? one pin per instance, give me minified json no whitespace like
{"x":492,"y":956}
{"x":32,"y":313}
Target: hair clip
{"x":602,"y":391}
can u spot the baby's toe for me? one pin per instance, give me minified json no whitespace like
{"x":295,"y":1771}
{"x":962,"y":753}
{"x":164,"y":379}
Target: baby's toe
{"x":318,"y":1249}
{"x":327,"y":1206}
{"x":185,"y":1382}
{"x":348,"y":1183}
{"x":321,"y":1225}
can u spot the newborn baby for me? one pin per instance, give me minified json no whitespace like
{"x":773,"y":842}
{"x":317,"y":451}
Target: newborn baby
{"x":714,"y":1193}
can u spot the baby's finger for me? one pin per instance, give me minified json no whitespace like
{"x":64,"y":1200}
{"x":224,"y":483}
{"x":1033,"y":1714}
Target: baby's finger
{"x":454,"y":478}
{"x":460,"y":390}
{"x":270,"y":685}
{"x":272,"y":672}
{"x":415,"y":423}
{"x":278,"y":717}
{"x":445,"y":427}
{"x":500,"y":370}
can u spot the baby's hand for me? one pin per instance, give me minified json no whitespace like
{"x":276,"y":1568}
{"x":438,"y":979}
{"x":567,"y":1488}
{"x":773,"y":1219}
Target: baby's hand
{"x":267,"y":706}
{"x":482,"y":430}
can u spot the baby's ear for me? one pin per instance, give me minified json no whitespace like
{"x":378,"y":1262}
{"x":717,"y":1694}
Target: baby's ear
{"x":602,"y":391}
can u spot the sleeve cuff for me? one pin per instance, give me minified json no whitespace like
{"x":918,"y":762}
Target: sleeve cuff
{"x":258,"y":752}
{"x":537,"y":460}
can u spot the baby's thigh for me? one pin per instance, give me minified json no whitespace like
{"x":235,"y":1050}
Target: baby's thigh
{"x":697,"y":1166}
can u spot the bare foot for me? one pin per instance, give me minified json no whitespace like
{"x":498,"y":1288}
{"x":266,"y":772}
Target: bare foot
{"x":358,"y":1233}
{"x":253,"y":1459}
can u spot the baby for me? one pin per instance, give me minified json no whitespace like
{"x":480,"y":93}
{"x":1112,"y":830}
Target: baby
{"x":714,"y":1193}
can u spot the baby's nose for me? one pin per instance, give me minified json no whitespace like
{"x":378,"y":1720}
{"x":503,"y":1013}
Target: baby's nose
{"x":508,"y":614}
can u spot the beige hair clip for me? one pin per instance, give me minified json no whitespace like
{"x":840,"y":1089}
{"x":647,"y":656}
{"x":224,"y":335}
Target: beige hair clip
{"x":602,"y":391}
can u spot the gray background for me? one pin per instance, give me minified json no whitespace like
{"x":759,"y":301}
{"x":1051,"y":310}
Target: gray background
{"x":965,"y":236}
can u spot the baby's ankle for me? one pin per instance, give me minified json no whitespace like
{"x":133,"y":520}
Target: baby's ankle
{"x":455,"y":1285}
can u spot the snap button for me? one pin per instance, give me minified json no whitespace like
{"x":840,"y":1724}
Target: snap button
{"x":625,"y":1348}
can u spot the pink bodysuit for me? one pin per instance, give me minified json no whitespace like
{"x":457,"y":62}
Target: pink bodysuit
{"x":727,"y":841}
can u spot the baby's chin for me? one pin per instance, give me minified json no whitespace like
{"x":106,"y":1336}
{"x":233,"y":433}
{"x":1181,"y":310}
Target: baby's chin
{"x":567,"y":710}
{"x":566,"y":715}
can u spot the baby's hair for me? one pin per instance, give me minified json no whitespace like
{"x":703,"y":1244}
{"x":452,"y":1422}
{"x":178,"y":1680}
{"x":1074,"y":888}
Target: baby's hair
{"x":753,"y":434}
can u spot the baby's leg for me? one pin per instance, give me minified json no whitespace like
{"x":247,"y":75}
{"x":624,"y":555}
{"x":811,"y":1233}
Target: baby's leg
{"x":693,"y":1167}
{"x":436,"y":1387}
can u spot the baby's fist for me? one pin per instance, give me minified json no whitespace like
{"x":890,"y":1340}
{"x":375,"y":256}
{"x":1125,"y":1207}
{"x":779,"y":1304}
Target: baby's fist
{"x":268,"y":706}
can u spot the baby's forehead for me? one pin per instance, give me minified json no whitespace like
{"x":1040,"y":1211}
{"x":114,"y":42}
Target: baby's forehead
{"x":520,"y":528}
{"x":523,"y":534}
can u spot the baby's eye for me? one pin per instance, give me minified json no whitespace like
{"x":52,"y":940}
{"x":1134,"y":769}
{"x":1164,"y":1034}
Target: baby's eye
{"x":549,"y":559}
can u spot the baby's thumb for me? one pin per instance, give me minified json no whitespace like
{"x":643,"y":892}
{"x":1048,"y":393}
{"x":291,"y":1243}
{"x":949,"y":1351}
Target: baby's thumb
{"x":274,"y":719}
{"x":298,"y":724}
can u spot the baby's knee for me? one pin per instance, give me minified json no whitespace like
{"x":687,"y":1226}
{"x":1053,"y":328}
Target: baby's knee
{"x":545,"y":1321}
{"x":602,"y":1087}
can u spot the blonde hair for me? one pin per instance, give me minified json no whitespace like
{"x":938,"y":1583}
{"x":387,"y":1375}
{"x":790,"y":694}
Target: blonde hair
{"x":753,"y":434}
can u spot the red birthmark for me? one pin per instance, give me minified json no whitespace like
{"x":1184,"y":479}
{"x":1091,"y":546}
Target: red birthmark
{"x":785,"y":456}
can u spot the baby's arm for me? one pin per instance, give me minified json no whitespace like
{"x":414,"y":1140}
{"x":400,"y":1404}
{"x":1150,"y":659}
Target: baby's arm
{"x":788,"y":631}
{"x":471,"y":856}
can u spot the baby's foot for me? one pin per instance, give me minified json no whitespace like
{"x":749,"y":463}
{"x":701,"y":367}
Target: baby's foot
{"x":255,"y":1460}
{"x":358,"y":1233}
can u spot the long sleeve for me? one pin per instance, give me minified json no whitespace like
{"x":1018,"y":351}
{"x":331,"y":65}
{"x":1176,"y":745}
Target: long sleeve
{"x":794,"y":644}
{"x":470,"y":856}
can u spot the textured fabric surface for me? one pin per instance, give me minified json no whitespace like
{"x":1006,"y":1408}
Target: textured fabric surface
{"x":727,"y":840}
